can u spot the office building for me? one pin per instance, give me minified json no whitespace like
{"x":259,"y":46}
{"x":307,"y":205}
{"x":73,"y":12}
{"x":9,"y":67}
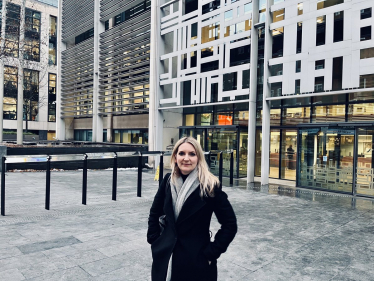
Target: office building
{"x":105,"y":50}
{"x":28,"y":69}
{"x":287,"y":85}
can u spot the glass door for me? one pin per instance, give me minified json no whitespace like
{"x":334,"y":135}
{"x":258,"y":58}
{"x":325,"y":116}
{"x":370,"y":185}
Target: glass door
{"x":326,"y":158}
{"x":222,"y":139}
{"x":288,"y":156}
{"x":365,"y":164}
{"x":274,"y":153}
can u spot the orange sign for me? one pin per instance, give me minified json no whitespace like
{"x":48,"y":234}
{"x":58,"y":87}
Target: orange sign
{"x":224,"y":120}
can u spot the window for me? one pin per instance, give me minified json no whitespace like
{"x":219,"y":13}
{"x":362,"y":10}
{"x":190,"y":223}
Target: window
{"x":367,"y":53}
{"x":299,"y":37}
{"x":319,"y":84}
{"x":246,"y":79}
{"x":321,"y":31}
{"x":10,"y":92}
{"x":52,"y":53}
{"x":51,"y":97}
{"x":190,"y":6}
{"x":366,"y":13}
{"x":240,"y":55}
{"x":30,"y":94}
{"x":338,"y":26}
{"x":12,"y":30}
{"x":248,"y":8}
{"x":133,"y":11}
{"x":276,"y":69}
{"x":300,"y":8}
{"x":84,"y":36}
{"x":320,"y":64}
{"x":209,"y":33}
{"x":328,"y":3}
{"x":297,"y":86}
{"x":365,"y":33}
{"x":367,"y":81}
{"x":106,"y":24}
{"x":206,"y":52}
{"x":337,"y":73}
{"x":230,"y":81}
{"x":277,"y":42}
{"x":211,"y":6}
{"x":228,"y":15}
{"x":276,"y":89}
{"x":209,"y":66}
{"x":278,"y":15}
{"x":298,"y":66}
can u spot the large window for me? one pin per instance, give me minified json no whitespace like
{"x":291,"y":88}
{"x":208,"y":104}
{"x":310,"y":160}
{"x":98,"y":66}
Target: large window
{"x":210,"y":33}
{"x":52,"y":40}
{"x":51,"y":97}
{"x":277,"y":42}
{"x":328,"y":3}
{"x":338,"y":26}
{"x":30,"y":94}
{"x":365,"y":33}
{"x":321,"y":31}
{"x":240,"y":55}
{"x":367,"y":81}
{"x":130,"y":13}
{"x":365,"y":13}
{"x":299,"y":37}
{"x":319,"y":84}
{"x":10,"y":92}
{"x":12,"y":29}
{"x":32,"y":35}
{"x":367,"y":53}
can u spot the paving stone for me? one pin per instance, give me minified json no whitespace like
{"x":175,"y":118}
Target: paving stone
{"x":46,"y":245}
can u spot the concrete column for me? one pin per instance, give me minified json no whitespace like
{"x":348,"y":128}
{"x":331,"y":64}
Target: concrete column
{"x":266,"y":104}
{"x":3,"y":12}
{"x":252,"y":97}
{"x":60,"y":123}
{"x":97,"y":120}
{"x":20,"y":76}
{"x":155,"y":116}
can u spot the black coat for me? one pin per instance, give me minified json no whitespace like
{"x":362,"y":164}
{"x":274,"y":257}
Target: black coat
{"x":188,"y":238}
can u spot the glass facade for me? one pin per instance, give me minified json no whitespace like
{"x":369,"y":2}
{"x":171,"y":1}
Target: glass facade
{"x":32,"y":35}
{"x":52,"y":52}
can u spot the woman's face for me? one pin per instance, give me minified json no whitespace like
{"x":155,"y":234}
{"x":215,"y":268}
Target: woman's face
{"x":186,"y":158}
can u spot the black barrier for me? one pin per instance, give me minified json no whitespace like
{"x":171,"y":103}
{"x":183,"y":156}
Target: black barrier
{"x":114,"y":182}
{"x":48,"y":183}
{"x":84,"y":182}
{"x":78,"y":157}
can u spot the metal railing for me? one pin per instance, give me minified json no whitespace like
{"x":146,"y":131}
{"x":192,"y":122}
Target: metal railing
{"x":47,"y":159}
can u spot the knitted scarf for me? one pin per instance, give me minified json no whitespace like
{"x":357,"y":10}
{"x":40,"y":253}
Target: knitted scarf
{"x":180,"y":192}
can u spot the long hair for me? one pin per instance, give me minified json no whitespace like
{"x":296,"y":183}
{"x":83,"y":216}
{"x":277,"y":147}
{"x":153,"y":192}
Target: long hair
{"x":207,"y":180}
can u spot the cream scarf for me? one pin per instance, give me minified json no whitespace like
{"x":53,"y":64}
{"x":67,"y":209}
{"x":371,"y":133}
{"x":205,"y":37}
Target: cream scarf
{"x":180,"y":192}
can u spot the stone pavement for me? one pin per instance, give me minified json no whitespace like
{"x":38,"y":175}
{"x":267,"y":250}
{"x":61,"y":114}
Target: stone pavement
{"x":284,"y":233}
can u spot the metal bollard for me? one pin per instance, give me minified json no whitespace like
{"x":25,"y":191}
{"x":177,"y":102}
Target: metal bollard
{"x":220,"y":167}
{"x":84,"y":185}
{"x":140,"y":166}
{"x":161,"y":172}
{"x":114,"y":183}
{"x":232,"y":167}
{"x":3,"y":186}
{"x":48,"y":183}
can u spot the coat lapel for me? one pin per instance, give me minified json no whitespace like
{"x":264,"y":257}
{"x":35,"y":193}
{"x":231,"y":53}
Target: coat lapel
{"x":191,"y":206}
{"x":168,"y":207}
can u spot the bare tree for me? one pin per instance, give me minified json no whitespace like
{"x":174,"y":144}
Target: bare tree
{"x":23,"y":47}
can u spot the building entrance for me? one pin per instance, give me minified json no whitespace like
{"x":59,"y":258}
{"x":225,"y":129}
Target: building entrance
{"x":326,"y":158}
{"x":365,"y":162}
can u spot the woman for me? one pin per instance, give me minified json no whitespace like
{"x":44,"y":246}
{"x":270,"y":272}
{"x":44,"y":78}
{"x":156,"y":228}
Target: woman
{"x":186,"y":199}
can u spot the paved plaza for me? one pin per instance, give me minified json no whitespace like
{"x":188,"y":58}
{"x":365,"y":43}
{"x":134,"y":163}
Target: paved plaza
{"x":284,"y":233}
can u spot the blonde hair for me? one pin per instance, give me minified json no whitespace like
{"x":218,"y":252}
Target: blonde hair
{"x":207,"y":180}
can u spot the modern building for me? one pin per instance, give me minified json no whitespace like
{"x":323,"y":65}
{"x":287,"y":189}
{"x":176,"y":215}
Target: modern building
{"x":287,"y":85}
{"x":28,"y":68}
{"x":105,"y":53}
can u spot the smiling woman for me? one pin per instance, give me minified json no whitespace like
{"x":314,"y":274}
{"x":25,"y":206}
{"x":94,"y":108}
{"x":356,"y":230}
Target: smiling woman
{"x":184,"y":203}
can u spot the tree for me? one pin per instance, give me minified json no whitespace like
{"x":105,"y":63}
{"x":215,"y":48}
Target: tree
{"x":22,"y":45}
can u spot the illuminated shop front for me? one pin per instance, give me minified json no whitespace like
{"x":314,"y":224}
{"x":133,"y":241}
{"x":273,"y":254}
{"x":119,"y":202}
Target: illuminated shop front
{"x":220,"y":128}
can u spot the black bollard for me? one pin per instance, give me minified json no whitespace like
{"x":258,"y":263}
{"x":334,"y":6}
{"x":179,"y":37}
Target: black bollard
{"x":84,"y":185}
{"x":140,"y":166}
{"x":232,"y":167}
{"x":161,"y":172}
{"x":3,"y":186}
{"x":114,"y":183}
{"x":48,"y":183}
{"x":220,"y":167}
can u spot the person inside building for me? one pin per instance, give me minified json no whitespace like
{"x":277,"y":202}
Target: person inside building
{"x":180,"y":216}
{"x":290,"y":152}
